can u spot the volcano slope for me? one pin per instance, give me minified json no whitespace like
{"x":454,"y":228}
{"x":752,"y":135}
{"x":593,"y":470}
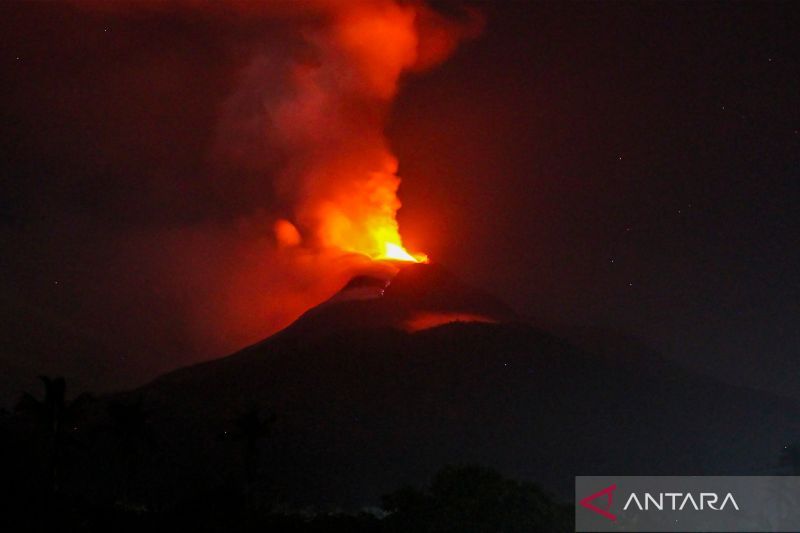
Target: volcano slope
{"x":365,"y":402}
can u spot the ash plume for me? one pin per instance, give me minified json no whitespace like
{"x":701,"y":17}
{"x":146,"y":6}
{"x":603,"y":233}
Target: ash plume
{"x":294,"y":189}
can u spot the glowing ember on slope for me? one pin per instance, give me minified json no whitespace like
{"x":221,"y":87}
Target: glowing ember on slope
{"x":429,"y":320}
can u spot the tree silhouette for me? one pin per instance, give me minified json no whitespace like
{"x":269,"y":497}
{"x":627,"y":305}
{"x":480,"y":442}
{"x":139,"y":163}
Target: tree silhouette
{"x":5,"y":438}
{"x":53,"y":414}
{"x":790,"y":456}
{"x":474,"y":499}
{"x":130,"y":427}
{"x":249,"y":429}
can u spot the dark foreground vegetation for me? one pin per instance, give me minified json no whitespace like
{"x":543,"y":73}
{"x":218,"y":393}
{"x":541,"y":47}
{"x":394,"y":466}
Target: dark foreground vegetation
{"x":87,"y":464}
{"x":43,"y":438}
{"x":459,"y":499}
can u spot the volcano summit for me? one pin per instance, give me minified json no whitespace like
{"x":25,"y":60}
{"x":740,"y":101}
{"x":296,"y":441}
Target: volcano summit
{"x":365,"y":402}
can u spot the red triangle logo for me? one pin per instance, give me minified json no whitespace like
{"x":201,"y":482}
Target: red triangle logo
{"x":608,"y":491}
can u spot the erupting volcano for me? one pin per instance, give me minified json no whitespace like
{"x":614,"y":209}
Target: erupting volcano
{"x":305,"y":120}
{"x":200,"y":214}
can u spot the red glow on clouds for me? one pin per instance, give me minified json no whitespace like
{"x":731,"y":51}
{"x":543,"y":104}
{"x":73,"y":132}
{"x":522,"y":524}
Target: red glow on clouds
{"x":302,"y":126}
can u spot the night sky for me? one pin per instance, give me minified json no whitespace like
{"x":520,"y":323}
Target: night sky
{"x":625,"y":166}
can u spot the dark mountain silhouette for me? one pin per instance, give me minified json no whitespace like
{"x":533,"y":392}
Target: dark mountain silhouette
{"x":366,"y":401}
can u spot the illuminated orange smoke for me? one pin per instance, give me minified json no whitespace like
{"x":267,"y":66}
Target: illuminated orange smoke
{"x":306,"y":116}
{"x":342,"y":177}
{"x":325,"y":105}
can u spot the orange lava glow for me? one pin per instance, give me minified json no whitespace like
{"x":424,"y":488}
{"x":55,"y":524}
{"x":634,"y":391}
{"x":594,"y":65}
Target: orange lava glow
{"x":433,"y":319}
{"x":395,"y":252}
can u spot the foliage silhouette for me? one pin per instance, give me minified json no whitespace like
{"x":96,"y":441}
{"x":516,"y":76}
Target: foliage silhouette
{"x":474,"y":499}
{"x":250,"y":428}
{"x":131,"y":429}
{"x":55,"y":416}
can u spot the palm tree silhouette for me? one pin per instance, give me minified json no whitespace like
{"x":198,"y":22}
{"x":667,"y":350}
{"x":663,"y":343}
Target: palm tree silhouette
{"x":53,"y":414}
{"x":790,"y":456}
{"x":250,"y":428}
{"x":130,"y":426}
{"x":5,"y":416}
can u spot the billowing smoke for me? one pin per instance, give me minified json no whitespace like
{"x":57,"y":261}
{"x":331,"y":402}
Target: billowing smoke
{"x":341,"y":175}
{"x":327,"y":116}
{"x":298,"y":186}
{"x":323,"y":121}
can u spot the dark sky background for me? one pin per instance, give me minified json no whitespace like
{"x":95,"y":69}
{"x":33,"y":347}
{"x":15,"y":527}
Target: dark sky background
{"x":625,"y":166}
